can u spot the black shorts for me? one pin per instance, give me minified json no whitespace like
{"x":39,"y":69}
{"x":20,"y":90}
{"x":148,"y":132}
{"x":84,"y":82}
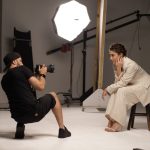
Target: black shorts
{"x":43,"y":106}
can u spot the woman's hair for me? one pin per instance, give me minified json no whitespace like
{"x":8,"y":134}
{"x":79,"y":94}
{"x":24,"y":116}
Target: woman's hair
{"x":118,"y":48}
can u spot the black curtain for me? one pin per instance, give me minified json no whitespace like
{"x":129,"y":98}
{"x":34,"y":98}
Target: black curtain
{"x":22,"y":45}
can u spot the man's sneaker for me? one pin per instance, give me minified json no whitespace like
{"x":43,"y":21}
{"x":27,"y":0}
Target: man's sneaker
{"x":20,"y":131}
{"x":63,"y":133}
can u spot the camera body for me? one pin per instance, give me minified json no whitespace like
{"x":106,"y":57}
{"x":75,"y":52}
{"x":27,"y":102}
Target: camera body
{"x":50,"y":68}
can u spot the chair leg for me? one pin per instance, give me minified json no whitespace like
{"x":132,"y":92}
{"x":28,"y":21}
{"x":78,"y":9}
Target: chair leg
{"x":131,"y":118}
{"x":148,"y":115}
{"x":134,"y":110}
{"x":19,"y":131}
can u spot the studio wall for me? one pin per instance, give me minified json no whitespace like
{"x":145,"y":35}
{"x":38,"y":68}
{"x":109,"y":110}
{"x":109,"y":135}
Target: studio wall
{"x":36,"y":16}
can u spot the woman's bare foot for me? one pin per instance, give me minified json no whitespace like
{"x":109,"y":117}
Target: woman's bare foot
{"x":110,"y":124}
{"x":116,"y":127}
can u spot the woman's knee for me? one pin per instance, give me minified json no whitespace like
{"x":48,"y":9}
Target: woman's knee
{"x":127,"y":92}
{"x":123,"y":90}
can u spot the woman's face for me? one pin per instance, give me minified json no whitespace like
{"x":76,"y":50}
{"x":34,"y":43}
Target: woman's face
{"x":114,"y":56}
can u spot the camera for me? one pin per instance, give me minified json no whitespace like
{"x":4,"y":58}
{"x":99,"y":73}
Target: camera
{"x":50,"y":68}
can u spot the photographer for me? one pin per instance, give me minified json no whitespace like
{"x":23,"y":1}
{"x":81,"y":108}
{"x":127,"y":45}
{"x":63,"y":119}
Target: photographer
{"x":17,"y":83}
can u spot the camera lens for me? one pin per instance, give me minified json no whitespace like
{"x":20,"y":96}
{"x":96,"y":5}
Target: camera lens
{"x":50,"y":68}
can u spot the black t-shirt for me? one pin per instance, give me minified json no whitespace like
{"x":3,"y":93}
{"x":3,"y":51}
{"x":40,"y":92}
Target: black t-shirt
{"x":19,"y":92}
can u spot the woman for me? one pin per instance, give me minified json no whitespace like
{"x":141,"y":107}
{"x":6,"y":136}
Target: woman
{"x":132,"y":85}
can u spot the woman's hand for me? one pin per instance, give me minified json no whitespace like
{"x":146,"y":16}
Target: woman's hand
{"x":119,"y":65}
{"x":105,"y":93}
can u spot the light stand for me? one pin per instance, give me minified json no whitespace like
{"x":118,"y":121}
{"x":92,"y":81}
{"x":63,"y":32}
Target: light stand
{"x":84,"y":60}
{"x":71,"y":69}
{"x":85,"y":38}
{"x":68,"y":95}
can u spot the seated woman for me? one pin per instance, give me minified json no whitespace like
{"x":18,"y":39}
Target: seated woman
{"x":132,"y":85}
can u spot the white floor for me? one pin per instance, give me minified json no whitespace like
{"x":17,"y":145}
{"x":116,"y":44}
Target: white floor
{"x":87,"y":133}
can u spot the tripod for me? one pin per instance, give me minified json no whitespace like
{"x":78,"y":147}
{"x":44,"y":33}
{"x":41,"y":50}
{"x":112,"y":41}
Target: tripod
{"x":68,"y":95}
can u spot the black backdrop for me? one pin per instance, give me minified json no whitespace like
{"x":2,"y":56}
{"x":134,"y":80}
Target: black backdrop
{"x":22,"y":45}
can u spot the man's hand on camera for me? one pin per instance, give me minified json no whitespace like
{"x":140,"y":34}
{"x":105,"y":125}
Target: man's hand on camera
{"x":42,"y":69}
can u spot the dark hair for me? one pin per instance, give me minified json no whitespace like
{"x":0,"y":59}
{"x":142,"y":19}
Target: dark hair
{"x":8,"y":59}
{"x":118,"y":48}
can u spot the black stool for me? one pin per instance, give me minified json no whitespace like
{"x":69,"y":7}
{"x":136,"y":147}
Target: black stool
{"x":133,"y":113}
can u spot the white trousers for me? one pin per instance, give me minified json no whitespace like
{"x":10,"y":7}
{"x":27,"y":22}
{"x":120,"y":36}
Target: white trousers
{"x":121,"y":101}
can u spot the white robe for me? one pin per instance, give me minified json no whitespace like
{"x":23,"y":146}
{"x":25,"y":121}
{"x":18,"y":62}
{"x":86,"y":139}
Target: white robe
{"x":131,"y":87}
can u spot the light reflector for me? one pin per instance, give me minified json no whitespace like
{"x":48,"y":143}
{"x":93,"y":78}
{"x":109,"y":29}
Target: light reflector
{"x":71,"y":19}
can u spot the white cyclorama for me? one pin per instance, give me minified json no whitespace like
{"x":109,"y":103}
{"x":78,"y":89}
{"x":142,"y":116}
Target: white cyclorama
{"x":70,"y":20}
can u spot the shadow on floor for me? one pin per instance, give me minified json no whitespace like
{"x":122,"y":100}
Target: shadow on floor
{"x":11,"y":135}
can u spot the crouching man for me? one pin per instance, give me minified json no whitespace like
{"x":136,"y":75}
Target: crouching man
{"x":17,"y":83}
